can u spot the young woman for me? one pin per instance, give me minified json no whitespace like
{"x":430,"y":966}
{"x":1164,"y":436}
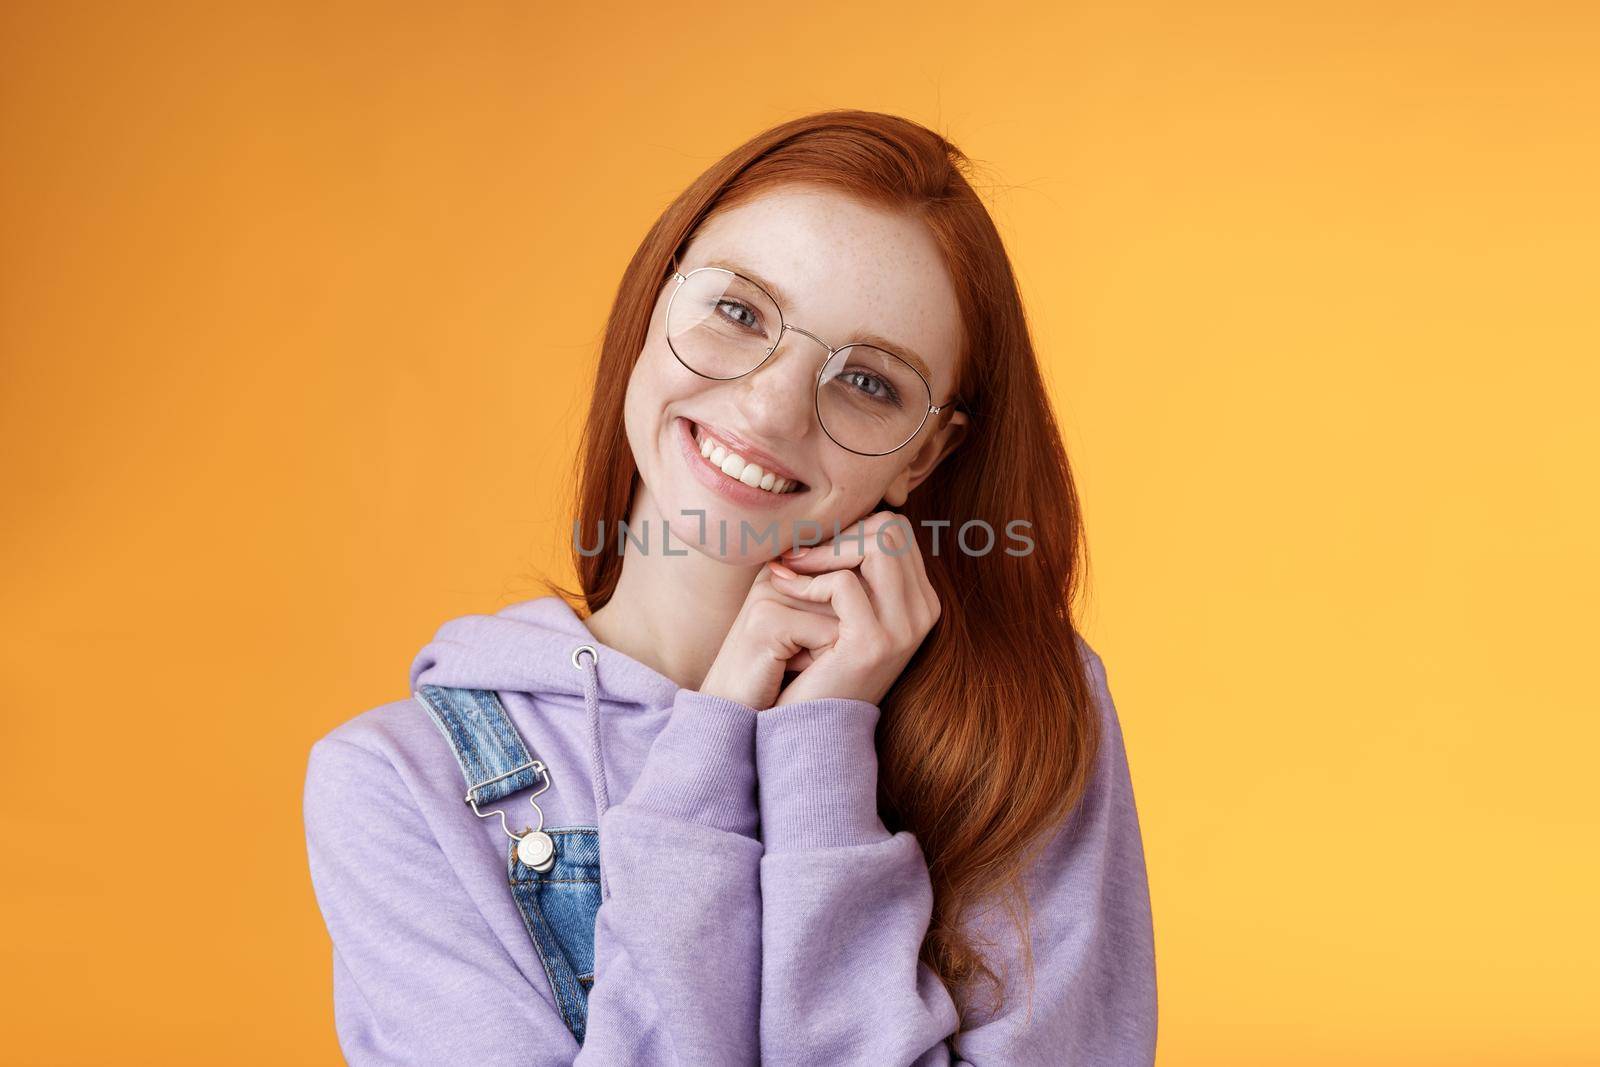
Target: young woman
{"x":862,"y":804}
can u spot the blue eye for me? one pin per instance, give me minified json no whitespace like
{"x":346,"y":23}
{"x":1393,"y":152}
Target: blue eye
{"x":750,"y":319}
{"x":871,"y":386}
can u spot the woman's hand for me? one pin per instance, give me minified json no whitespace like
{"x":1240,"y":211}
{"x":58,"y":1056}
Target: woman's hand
{"x":882,"y":607}
{"x":770,"y":635}
{"x":849,"y":627}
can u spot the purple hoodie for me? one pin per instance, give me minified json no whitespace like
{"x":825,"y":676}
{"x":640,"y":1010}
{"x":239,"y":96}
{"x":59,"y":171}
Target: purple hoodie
{"x":739,"y":928}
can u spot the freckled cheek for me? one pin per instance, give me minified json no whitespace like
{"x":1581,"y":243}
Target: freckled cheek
{"x":652,"y":385}
{"x":668,"y":380}
{"x":857,"y":487}
{"x":644,"y":413}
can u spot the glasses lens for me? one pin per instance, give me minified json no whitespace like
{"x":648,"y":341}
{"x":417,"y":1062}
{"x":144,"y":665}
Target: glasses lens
{"x":721,"y":325}
{"x":870,"y":400}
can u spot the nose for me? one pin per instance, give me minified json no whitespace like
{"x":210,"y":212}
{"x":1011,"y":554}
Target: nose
{"x":778,"y":397}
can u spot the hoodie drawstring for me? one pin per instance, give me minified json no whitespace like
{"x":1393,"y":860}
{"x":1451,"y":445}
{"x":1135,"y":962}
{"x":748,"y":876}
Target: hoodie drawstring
{"x":597,"y":762}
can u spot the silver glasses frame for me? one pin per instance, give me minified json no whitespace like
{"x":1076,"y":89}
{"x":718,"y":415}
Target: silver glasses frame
{"x":784,"y":326}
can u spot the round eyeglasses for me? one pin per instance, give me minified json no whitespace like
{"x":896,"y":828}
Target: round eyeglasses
{"x":723,"y":325}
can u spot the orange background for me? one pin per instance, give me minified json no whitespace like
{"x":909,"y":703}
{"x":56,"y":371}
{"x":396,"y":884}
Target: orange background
{"x":298,"y":310}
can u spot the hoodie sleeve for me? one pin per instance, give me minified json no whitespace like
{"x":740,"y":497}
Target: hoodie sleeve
{"x":678,"y":939}
{"x":846,"y":905}
{"x":420,"y":978}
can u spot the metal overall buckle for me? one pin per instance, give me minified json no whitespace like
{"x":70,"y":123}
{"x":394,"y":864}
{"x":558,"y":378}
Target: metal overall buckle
{"x":534,"y":847}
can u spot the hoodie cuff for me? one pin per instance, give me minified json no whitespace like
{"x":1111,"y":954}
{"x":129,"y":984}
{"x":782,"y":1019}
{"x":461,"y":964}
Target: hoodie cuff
{"x":701,"y":766}
{"x":817,"y":763}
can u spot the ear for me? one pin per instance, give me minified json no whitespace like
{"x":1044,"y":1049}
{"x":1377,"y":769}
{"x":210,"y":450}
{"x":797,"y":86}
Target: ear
{"x":938,"y":445}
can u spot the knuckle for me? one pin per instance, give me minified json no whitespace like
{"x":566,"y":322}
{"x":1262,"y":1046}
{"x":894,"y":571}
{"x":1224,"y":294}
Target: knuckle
{"x":765,"y":613}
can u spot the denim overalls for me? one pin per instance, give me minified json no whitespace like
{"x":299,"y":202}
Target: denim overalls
{"x":558,"y":905}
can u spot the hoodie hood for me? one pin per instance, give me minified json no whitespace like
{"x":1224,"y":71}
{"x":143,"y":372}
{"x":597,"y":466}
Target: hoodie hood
{"x":589,"y":715}
{"x":529,"y":648}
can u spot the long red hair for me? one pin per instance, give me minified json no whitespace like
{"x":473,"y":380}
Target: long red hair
{"x":986,"y":740}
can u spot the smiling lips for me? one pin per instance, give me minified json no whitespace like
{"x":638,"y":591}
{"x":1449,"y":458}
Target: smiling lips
{"x":723,"y":457}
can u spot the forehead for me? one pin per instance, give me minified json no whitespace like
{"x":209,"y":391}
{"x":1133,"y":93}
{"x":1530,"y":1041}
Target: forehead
{"x":843,"y":269}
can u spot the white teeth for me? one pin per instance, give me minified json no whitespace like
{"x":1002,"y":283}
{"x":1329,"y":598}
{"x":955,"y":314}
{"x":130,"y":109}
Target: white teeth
{"x":736,"y":466}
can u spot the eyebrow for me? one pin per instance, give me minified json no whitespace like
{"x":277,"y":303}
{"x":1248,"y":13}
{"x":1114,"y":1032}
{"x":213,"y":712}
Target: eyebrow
{"x":877,"y":340}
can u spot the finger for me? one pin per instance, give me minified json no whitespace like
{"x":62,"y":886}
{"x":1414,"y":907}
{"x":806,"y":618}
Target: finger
{"x":828,"y":556}
{"x":843,"y":590}
{"x":792,"y":631}
{"x":836,"y":553}
{"x":883,"y":548}
{"x":887,"y":571}
{"x":774,"y":569}
{"x":891,"y":570}
{"x":871,"y":533}
{"x":917,"y":575}
{"x":929,"y":596}
{"x":793,"y":581}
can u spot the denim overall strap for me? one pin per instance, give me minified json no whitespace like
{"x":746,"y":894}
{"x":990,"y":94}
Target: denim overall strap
{"x":558,"y":906}
{"x":493,"y":758}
